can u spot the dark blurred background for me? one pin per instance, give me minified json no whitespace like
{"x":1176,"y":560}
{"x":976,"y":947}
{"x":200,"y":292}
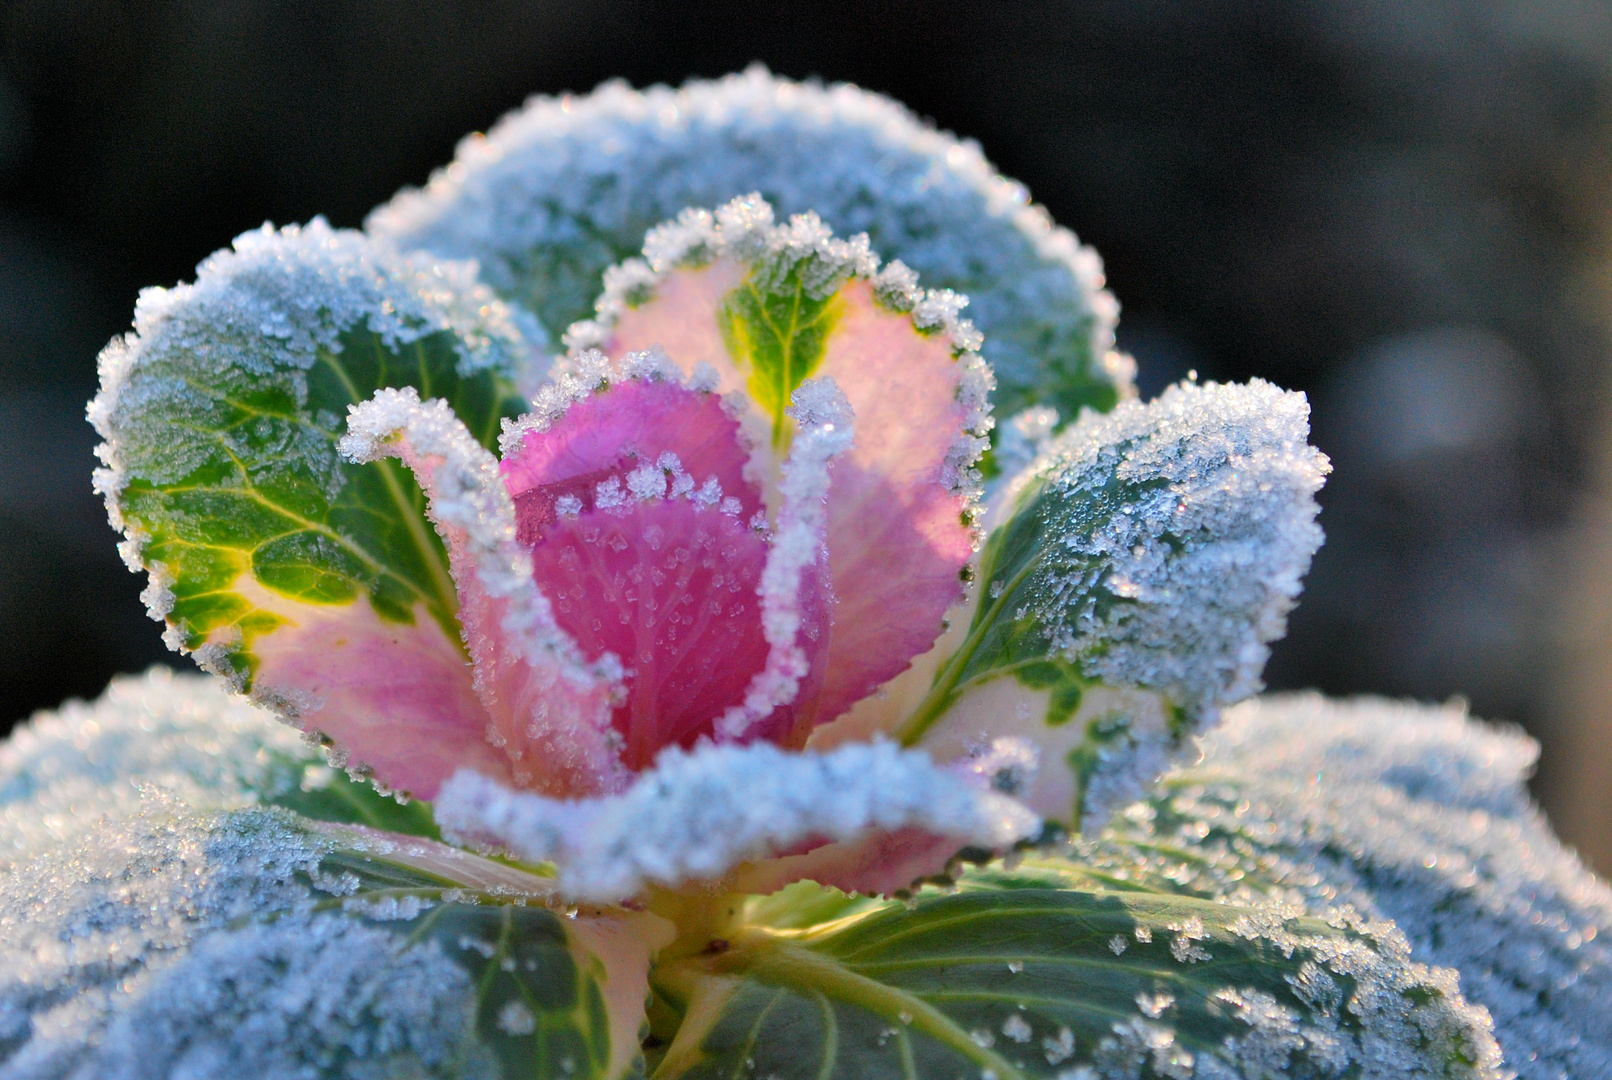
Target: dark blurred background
{"x":1399,"y":206}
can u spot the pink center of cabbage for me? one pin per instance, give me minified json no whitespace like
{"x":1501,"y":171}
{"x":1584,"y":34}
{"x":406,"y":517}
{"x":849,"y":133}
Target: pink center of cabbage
{"x":642,"y":533}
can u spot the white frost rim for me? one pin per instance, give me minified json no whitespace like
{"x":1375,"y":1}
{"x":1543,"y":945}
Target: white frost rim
{"x":698,"y":814}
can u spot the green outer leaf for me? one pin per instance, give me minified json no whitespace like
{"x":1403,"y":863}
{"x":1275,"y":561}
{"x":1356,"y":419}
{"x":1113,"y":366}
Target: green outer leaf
{"x":541,"y":1008}
{"x":985,"y":981}
{"x":521,"y":962}
{"x":1032,"y":555}
{"x":1154,"y":553}
{"x":265,"y":491}
{"x":780,"y":332}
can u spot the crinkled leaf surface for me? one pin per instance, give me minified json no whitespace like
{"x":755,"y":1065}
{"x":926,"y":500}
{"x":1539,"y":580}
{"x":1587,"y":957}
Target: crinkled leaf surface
{"x":1406,"y":812}
{"x":553,"y":996}
{"x":1031,"y":973}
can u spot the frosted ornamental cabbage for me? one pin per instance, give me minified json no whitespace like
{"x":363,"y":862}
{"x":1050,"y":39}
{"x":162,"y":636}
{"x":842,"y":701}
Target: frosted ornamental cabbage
{"x":685,"y":703}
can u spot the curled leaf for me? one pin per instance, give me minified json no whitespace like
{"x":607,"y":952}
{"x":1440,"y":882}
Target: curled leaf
{"x":697,"y":816}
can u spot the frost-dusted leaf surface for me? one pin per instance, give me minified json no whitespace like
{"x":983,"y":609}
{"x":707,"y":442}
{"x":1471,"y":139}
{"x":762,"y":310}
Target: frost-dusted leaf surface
{"x":184,"y":735}
{"x":538,"y":1001}
{"x":1411,"y":813}
{"x":1156,"y":549}
{"x":314,"y":790}
{"x":258,"y":488}
{"x":563,"y":188}
{"x":211,"y":941}
{"x":727,"y":812}
{"x":1018,"y":975}
{"x":179,"y":732}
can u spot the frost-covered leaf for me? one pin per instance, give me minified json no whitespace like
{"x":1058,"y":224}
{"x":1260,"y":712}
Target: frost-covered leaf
{"x":144,"y":937}
{"x":565,"y":187}
{"x":179,"y":732}
{"x":1145,"y":562}
{"x":1016,"y":975}
{"x":1407,"y":812}
{"x":544,"y":705}
{"x":314,"y":584}
{"x":184,"y":735}
{"x":592,"y":537}
{"x":554,"y":996}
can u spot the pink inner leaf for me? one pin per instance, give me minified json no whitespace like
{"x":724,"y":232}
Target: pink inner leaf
{"x":643,"y":528}
{"x":546,"y":706}
{"x":874,"y":816}
{"x":670,"y":588}
{"x":396,"y":701}
{"x":897,"y":536}
{"x":794,"y":594}
{"x":633,"y":422}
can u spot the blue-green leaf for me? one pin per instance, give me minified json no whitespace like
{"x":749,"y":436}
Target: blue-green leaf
{"x":154,"y":922}
{"x":1143,"y":565}
{"x":553,"y":996}
{"x":1407,"y":812}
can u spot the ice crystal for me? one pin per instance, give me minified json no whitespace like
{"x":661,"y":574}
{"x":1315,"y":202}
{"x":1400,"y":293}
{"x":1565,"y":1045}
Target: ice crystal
{"x":697,"y":814}
{"x":565,"y":187}
{"x":516,"y":1019}
{"x":1059,"y":1048}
